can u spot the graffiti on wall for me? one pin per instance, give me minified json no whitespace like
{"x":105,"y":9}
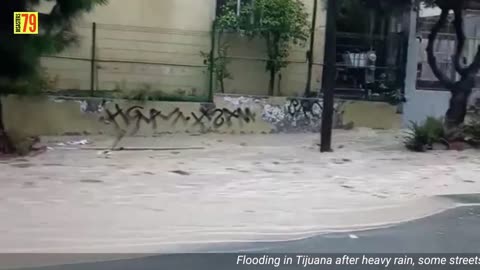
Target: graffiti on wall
{"x":300,"y":115}
{"x":207,"y":116}
{"x":310,"y":108}
{"x":290,"y":116}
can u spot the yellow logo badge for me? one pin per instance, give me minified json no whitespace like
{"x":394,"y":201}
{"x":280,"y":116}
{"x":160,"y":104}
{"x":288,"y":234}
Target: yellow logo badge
{"x":25,"y":23}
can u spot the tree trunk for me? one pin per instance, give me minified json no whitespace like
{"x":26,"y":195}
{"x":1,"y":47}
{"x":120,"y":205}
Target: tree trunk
{"x":460,"y":90}
{"x":222,"y":85}
{"x":457,"y":110}
{"x":221,"y":53}
{"x":270,"y":63}
{"x":6,"y":146}
{"x":271,"y":84}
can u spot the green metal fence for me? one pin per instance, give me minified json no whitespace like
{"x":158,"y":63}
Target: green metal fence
{"x":148,"y":63}
{"x":368,"y":67}
{"x":133,"y":62}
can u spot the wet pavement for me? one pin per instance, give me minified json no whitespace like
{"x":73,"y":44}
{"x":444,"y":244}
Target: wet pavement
{"x":453,"y":231}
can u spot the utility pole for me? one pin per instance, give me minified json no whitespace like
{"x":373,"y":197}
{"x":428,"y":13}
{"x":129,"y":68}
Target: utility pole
{"x":329,"y":74}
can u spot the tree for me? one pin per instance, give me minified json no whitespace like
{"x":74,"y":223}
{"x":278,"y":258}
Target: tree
{"x":280,"y":23}
{"x":20,"y":54}
{"x":461,"y":89}
{"x":219,"y":65}
{"x":228,"y":21}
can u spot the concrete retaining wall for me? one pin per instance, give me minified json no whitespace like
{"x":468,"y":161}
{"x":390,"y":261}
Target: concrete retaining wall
{"x":61,"y":116}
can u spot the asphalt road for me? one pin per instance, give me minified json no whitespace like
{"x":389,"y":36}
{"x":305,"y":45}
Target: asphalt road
{"x":453,"y":231}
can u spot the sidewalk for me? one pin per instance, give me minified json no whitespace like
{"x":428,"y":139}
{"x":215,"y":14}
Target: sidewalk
{"x":238,"y":188}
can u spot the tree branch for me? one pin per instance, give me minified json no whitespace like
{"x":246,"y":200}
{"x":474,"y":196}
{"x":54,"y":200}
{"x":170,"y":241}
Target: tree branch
{"x":458,"y":25}
{"x":473,"y":68}
{"x":475,"y":65}
{"x":432,"y":61}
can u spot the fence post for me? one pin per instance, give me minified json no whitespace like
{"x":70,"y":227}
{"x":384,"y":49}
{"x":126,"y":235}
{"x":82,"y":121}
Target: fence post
{"x":92,"y":60}
{"x":310,"y":51}
{"x":211,"y":66}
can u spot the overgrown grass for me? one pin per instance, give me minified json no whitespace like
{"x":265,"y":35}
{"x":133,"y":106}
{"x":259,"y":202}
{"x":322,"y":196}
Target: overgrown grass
{"x":138,"y":95}
{"x":150,"y":95}
{"x":33,"y":85}
{"x":422,"y":137}
{"x":472,"y":133}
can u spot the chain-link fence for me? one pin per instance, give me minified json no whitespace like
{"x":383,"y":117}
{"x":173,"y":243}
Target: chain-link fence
{"x":368,"y":67}
{"x":132,"y":62}
{"x":180,"y":65}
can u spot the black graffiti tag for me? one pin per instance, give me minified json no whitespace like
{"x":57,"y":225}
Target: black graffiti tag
{"x":307,"y":107}
{"x":217,"y":117}
{"x":135,"y":114}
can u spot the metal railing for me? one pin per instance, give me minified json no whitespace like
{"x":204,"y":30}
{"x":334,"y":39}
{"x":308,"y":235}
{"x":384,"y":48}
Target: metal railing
{"x":175,"y":65}
{"x":133,"y":62}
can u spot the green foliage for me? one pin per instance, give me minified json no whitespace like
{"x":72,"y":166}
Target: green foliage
{"x":146,"y":93}
{"x":388,"y":91}
{"x":19,"y":69}
{"x":140,"y":95}
{"x":21,"y":53}
{"x":31,"y":85}
{"x":228,"y":19}
{"x":395,"y":97}
{"x":422,"y":137}
{"x":219,"y":65}
{"x":157,"y":95}
{"x":280,"y":23}
{"x":472,"y":132}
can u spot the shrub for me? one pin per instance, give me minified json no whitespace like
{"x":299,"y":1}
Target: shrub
{"x":422,"y":137}
{"x":472,"y":132}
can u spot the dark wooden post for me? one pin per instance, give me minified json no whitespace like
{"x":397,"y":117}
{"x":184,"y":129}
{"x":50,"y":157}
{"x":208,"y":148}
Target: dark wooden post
{"x":92,"y":60}
{"x":329,"y":75}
